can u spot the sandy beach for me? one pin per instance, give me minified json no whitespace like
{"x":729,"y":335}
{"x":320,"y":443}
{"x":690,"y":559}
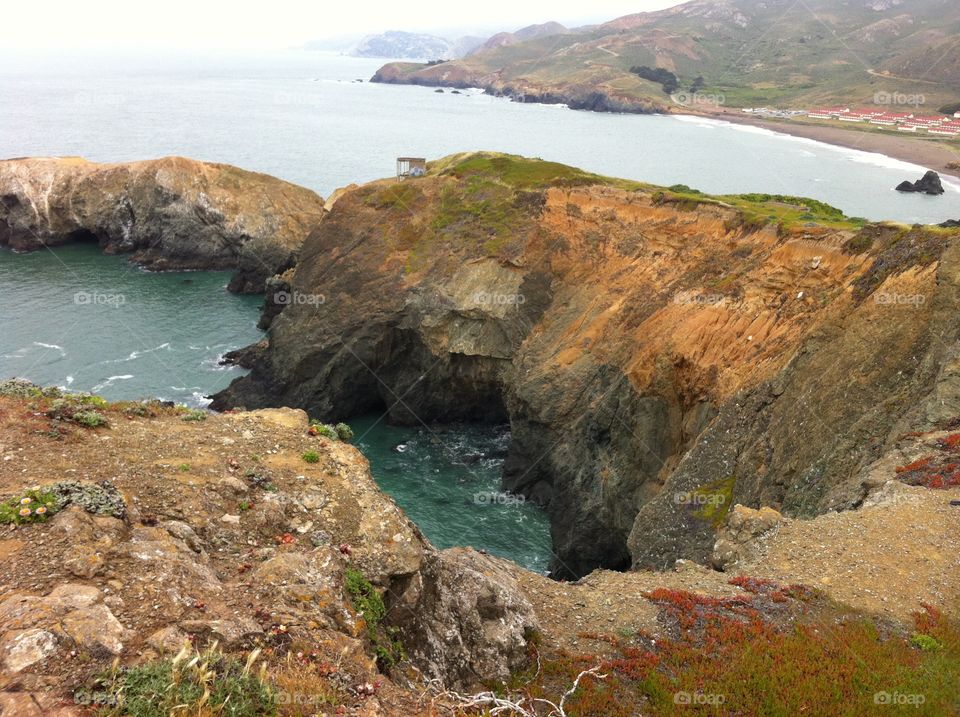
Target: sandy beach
{"x":931,"y":153}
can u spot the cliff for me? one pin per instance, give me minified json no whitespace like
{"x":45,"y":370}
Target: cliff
{"x":643,"y":343}
{"x":170,"y":213}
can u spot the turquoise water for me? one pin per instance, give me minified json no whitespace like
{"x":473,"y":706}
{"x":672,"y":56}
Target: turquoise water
{"x":87,"y":322}
{"x":447,"y":479}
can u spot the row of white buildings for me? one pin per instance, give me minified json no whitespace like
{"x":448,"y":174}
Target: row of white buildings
{"x":942,"y":125}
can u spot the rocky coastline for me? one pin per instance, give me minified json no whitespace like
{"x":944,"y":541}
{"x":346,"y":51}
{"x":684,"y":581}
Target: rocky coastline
{"x":644,"y":344}
{"x":167,"y":214}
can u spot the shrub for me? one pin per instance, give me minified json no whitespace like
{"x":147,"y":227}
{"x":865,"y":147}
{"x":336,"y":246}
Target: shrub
{"x":194,"y":414}
{"x":90,"y":419}
{"x":925,"y":642}
{"x":37,"y":504}
{"x":323,"y":429}
{"x":311,"y":457}
{"x":344,"y":432}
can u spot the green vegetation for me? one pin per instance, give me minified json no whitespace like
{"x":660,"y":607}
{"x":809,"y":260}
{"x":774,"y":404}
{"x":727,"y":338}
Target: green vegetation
{"x":369,"y":604}
{"x":311,"y":457}
{"x":712,"y":501}
{"x":325,"y":430}
{"x":519,"y":172}
{"x":204,"y":683}
{"x":37,"y":504}
{"x":193,"y":414}
{"x":663,"y":77}
{"x":344,"y":432}
{"x":31,"y":506}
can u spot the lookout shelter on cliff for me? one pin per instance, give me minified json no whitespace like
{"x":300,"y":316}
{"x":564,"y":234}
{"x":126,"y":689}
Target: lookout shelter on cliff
{"x":411,"y":167}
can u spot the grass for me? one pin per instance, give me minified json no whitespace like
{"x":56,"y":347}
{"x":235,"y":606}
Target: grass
{"x":202,"y":684}
{"x":311,"y":456}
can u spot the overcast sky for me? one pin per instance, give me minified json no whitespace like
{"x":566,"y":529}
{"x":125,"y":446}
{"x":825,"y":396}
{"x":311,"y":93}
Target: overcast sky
{"x":104,"y":24}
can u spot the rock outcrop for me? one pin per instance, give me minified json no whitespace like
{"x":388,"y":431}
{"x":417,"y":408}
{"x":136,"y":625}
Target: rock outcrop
{"x":170,"y":213}
{"x":928,"y":184}
{"x":81,"y":588}
{"x":657,"y":353}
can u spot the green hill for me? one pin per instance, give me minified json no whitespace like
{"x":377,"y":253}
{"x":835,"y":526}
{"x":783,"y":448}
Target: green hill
{"x":750,"y":52}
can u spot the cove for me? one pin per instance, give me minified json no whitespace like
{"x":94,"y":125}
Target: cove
{"x":77,"y":319}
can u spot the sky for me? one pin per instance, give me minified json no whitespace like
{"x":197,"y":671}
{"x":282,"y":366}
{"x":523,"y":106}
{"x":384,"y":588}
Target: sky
{"x":221,"y":24}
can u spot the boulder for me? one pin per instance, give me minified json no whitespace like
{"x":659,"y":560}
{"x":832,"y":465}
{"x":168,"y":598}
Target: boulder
{"x":465,"y":620}
{"x":736,"y":541}
{"x":929,"y":184}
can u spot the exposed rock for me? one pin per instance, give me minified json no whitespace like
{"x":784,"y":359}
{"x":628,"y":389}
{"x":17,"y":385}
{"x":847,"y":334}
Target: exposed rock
{"x":28,"y":647}
{"x":951,"y":224}
{"x":736,"y":541}
{"x":231,"y":633}
{"x":170,"y":213}
{"x":95,"y":629}
{"x":929,"y":184}
{"x":168,"y":639}
{"x":465,"y":617}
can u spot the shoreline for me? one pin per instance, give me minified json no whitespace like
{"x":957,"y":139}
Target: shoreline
{"x":932,"y":154}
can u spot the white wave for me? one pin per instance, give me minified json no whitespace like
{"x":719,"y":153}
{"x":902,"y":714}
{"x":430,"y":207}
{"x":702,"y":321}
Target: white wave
{"x":51,"y":346}
{"x":200,"y":400}
{"x":134,"y":355}
{"x":69,"y":380}
{"x":109,"y":382}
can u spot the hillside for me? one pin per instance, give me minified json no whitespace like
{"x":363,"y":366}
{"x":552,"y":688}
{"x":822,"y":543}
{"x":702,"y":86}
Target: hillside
{"x":752,"y":53}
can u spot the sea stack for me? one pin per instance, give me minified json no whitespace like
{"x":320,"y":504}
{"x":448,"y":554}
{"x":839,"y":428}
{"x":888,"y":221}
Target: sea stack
{"x":929,"y":184}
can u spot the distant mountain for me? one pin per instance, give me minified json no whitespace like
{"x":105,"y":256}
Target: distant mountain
{"x":531,"y":32}
{"x":396,"y":43}
{"x":747,"y":52}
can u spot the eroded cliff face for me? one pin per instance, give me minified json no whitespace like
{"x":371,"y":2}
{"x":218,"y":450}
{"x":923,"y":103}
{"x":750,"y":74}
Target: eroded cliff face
{"x":170,"y":213}
{"x":646,"y":345}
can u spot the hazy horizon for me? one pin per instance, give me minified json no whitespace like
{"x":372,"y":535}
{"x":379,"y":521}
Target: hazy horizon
{"x":182,"y":25}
